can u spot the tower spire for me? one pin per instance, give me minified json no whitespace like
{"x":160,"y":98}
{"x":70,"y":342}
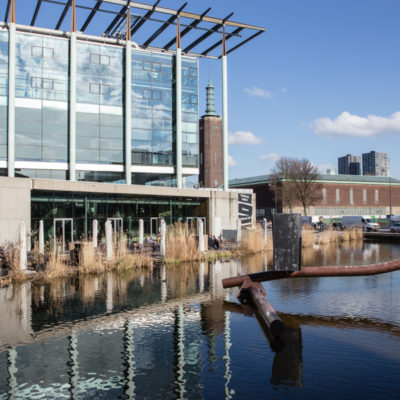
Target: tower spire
{"x":210,"y":110}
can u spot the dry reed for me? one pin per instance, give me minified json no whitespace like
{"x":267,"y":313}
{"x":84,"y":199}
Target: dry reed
{"x":252,"y":241}
{"x":181,"y":243}
{"x":134,"y":260}
{"x":89,"y":260}
{"x":57,"y":267}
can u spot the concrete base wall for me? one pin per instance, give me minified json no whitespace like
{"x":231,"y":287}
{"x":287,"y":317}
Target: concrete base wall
{"x":15,"y":206}
{"x":223,"y":205}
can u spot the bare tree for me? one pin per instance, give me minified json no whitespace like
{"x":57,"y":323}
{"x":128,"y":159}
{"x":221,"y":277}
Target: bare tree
{"x":296,"y":182}
{"x":282,"y":176}
{"x":308,"y":190}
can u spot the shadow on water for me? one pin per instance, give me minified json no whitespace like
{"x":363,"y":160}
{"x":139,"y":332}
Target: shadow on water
{"x":173,"y":332}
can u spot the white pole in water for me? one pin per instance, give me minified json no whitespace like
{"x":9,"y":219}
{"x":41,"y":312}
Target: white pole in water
{"x":238,"y":230}
{"x":109,"y":241}
{"x":200,"y":232}
{"x":163,"y":232}
{"x":95,"y":225}
{"x":141,"y":232}
{"x":265,"y":232}
{"x":41,"y":237}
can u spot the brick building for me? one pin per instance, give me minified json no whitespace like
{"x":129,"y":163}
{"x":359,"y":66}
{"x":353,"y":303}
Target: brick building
{"x":340,"y":195}
{"x":211,"y":145}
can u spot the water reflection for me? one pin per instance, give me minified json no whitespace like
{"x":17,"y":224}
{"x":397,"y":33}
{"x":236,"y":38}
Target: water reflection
{"x":173,"y":332}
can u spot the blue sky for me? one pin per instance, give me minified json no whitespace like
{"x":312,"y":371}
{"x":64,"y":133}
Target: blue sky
{"x":321,"y":82}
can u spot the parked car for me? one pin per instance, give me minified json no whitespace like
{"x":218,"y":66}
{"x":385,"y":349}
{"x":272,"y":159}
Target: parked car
{"x":395,"y":227}
{"x":366,"y":223}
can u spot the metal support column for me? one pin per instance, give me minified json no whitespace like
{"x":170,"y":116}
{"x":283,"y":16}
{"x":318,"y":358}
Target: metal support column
{"x":11,"y":101}
{"x":72,"y":97}
{"x":178,"y":89}
{"x":225,"y":112}
{"x":128,"y":100}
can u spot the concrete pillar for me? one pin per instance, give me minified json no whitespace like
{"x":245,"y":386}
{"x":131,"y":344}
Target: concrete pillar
{"x":238,"y":230}
{"x":11,"y":101}
{"x":225,"y":121}
{"x":72,"y":107}
{"x":178,"y":137}
{"x":95,"y":233}
{"x":265,"y":231}
{"x":128,"y":112}
{"x":109,"y":241}
{"x":200,"y":232}
{"x":22,"y":246}
{"x":41,"y":237}
{"x":163,"y":271}
{"x":141,"y":232}
{"x":163,"y":232}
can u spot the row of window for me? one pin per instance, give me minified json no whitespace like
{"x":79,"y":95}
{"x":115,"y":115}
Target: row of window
{"x":351,"y":195}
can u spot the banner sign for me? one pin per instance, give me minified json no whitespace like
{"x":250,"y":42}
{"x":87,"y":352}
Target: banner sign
{"x":245,"y":208}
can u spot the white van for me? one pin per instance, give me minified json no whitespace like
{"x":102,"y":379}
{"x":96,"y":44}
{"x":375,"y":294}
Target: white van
{"x":366,"y":223}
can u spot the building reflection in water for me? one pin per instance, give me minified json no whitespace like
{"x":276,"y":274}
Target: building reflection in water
{"x":122,"y":331}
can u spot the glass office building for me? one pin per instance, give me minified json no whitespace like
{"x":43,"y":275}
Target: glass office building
{"x":42,"y":114}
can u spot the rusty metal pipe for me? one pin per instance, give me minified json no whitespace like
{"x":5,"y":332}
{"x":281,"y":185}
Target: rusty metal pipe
{"x":265,"y":311}
{"x":306,"y":272}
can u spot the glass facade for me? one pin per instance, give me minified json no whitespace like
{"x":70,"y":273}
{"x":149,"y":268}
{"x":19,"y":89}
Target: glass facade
{"x":42,"y":108}
{"x":3,"y":93}
{"x":41,"y":104}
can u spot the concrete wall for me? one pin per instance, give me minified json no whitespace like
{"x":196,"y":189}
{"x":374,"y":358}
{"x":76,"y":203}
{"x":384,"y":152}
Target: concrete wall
{"x":223,"y":205}
{"x":15,"y":206}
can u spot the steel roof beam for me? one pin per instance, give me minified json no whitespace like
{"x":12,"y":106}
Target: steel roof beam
{"x":35,"y":14}
{"x":118,"y":17}
{"x":160,"y":30}
{"x":91,"y":15}
{"x":7,"y":11}
{"x":163,"y":10}
{"x":244,"y":42}
{"x":228,"y":36}
{"x":64,"y":13}
{"x":149,"y":13}
{"x":206,"y":35}
{"x":187,"y":29}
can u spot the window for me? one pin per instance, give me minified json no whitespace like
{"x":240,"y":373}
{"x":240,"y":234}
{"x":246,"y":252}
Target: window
{"x":146,"y":94}
{"x":337,"y":195}
{"x":42,"y":52}
{"x":42,"y":83}
{"x":156,"y":67}
{"x":193,"y":72}
{"x":94,"y":88}
{"x":147,"y":65}
{"x":99,"y":59}
{"x":376,"y":196}
{"x":105,"y":89}
{"x":324,"y":195}
{"x":151,"y":94}
{"x":364,"y":195}
{"x":351,"y":197}
{"x":193,"y":99}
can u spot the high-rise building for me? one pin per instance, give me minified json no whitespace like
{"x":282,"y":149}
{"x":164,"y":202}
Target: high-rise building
{"x":349,"y":165}
{"x":375,"y":163}
{"x":211,"y":166}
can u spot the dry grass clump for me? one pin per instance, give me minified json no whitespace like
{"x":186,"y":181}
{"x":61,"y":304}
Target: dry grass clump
{"x":181,"y":243}
{"x":57,"y":267}
{"x":134,"y":260}
{"x":252,"y":241}
{"x":327,"y":236}
{"x":12,"y":256}
{"x":307,"y":237}
{"x":89,"y":260}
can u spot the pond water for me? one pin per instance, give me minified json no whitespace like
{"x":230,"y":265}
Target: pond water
{"x":174,"y":333}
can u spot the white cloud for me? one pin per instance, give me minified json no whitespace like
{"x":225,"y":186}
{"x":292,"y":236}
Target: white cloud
{"x":347,"y":124}
{"x":244,"y":137}
{"x":258,"y":92}
{"x":231,"y":161}
{"x":270,"y":157}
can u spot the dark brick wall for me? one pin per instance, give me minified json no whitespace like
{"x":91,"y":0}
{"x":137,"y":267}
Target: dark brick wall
{"x":211,"y":165}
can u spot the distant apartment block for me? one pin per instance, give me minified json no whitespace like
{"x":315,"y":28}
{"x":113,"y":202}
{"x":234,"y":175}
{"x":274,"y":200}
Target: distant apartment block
{"x":349,"y":165}
{"x":375,"y":163}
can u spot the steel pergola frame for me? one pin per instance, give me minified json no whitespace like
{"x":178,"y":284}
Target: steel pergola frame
{"x":165,"y":17}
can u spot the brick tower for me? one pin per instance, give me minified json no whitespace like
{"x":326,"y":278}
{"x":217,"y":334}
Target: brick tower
{"x":211,"y":166}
